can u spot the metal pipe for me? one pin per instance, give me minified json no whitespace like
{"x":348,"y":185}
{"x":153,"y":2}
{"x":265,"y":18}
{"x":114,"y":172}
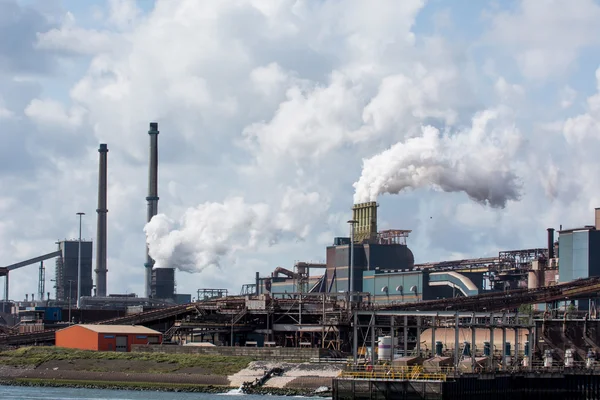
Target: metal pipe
{"x":101,"y":224}
{"x":79,"y":260}
{"x":152,"y":199}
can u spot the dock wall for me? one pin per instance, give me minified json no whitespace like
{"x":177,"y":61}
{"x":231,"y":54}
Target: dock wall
{"x":482,"y":387}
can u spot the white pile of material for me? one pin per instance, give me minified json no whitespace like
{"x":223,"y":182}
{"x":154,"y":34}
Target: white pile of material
{"x":257,"y":369}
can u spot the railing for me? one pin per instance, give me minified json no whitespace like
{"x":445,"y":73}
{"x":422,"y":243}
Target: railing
{"x":381,"y":372}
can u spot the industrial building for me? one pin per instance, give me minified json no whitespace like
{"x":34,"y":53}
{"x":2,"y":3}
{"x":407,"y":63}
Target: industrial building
{"x":579,"y":251}
{"x":66,"y":270}
{"x":380,"y":264}
{"x":106,"y":337}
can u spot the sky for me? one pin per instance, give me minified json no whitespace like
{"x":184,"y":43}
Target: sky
{"x":473,"y":124}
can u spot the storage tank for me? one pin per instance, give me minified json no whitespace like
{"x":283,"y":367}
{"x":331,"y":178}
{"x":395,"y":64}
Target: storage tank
{"x":590,"y":360}
{"x":385,"y":348}
{"x":569,"y":359}
{"x":547,"y":358}
{"x":448,"y":335}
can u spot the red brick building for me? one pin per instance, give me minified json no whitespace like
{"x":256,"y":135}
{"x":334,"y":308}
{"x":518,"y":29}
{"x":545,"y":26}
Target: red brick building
{"x":106,"y":337}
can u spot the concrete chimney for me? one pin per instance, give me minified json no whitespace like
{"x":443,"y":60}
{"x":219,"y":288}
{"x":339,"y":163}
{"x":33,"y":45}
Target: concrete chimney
{"x":152,"y":199}
{"x":597,"y":219}
{"x":550,"y":243}
{"x":101,"y":229}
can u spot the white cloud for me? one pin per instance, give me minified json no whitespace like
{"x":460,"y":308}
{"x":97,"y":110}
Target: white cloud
{"x":546,"y":36}
{"x":73,"y":39}
{"x":275,"y":104}
{"x":50,"y":112}
{"x":585,"y":125}
{"x":123,"y":13}
{"x":567,"y":96}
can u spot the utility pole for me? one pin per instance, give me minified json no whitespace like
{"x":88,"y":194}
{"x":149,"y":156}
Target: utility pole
{"x":70,"y":299}
{"x":79,"y":261}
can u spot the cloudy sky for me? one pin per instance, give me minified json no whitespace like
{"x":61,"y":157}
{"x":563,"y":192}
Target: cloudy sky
{"x":476,"y":124}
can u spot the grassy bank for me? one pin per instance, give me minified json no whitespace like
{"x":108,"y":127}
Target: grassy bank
{"x":164,"y":387}
{"x":35,"y":356}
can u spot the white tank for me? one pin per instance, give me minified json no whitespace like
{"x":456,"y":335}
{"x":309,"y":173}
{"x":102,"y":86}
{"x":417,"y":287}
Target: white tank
{"x":569,"y":359}
{"x":547,"y":359}
{"x":385,"y":348}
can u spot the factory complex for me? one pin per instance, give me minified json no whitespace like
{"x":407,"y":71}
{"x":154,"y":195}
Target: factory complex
{"x":418,"y":329}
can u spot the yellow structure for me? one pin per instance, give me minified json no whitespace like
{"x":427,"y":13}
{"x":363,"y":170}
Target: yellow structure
{"x":365,"y":228}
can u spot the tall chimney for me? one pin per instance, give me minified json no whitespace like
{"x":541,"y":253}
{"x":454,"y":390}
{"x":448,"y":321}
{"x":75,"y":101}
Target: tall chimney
{"x":101,"y":229}
{"x":152,"y":198}
{"x":550,"y":243}
{"x":598,"y":219}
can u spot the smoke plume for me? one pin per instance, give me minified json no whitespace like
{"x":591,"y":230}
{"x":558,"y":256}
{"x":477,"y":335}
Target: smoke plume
{"x":212,"y":231}
{"x":475,"y":161}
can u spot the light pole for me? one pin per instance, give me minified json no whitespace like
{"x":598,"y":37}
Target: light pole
{"x":79,"y":261}
{"x":352,"y":222}
{"x":70,"y":299}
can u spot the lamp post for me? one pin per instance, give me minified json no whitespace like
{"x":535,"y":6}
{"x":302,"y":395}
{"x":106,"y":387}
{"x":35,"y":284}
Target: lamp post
{"x":70,"y":299}
{"x":352,"y":222}
{"x":79,"y":261}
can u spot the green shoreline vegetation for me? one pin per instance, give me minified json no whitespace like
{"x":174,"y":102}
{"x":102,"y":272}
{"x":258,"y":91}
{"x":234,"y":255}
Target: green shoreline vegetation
{"x":35,"y":356}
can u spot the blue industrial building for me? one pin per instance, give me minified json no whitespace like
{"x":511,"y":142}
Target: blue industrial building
{"x":579,"y":252}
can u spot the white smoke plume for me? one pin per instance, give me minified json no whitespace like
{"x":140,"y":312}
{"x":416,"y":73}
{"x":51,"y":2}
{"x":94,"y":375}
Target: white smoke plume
{"x":474,"y":161}
{"x":208,"y":233}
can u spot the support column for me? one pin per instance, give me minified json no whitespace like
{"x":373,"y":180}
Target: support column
{"x":473,"y":339}
{"x":405,"y":336}
{"x":392,"y":336}
{"x":355,"y":338}
{"x":456,"y":338}
{"x":433,"y":322}
{"x":418,"y":336}
{"x":503,"y":347}
{"x":492,"y":346}
{"x":373,"y":339}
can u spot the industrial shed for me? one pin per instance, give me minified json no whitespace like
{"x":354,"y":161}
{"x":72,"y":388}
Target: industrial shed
{"x":106,"y":337}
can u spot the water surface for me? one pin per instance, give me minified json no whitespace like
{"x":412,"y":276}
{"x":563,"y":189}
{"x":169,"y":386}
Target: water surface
{"x":51,"y":393}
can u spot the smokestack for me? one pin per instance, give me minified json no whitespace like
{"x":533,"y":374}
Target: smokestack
{"x":597,"y":219}
{"x":101,"y":229}
{"x":152,"y":198}
{"x":257,"y":291}
{"x":550,"y":243}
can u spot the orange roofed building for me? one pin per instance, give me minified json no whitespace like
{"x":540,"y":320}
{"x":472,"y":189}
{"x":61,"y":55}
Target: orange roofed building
{"x":106,"y":337}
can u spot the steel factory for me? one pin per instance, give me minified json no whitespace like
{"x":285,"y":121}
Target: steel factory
{"x":419,"y":329}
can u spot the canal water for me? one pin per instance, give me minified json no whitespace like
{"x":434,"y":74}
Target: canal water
{"x":48,"y":393}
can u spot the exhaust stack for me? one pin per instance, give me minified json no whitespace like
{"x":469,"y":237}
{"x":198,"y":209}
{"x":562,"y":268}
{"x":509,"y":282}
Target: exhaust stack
{"x":550,"y":243}
{"x":152,"y":199}
{"x":101,"y":228}
{"x":365,"y":215}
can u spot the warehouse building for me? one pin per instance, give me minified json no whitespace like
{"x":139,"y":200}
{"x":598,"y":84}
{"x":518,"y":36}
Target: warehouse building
{"x":106,"y":337}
